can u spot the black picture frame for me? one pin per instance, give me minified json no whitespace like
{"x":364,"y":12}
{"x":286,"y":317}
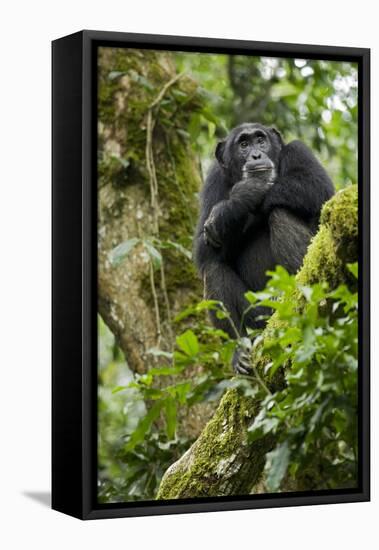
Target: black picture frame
{"x":74,"y":271}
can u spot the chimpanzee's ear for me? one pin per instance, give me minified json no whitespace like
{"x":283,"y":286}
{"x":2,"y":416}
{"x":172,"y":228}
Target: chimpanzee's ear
{"x":277,"y":133}
{"x":220,"y":148}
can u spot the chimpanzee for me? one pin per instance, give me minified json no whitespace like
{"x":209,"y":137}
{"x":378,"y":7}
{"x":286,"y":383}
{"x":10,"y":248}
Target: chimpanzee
{"x":260,"y":206}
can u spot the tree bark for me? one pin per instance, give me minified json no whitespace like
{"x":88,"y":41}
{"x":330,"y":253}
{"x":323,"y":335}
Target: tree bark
{"x":148,"y":177}
{"x":222,"y":461}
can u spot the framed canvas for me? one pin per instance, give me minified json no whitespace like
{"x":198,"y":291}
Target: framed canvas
{"x":210,"y":274}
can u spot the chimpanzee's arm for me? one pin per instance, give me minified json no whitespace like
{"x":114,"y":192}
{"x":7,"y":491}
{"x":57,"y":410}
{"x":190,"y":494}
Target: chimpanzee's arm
{"x":214,"y":190}
{"x":215,"y":198}
{"x":289,"y":239}
{"x":229,"y":218}
{"x":302,"y":184}
{"x":221,"y":282}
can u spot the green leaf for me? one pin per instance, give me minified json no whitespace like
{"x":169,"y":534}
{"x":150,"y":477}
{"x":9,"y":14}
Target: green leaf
{"x":276,"y":466}
{"x":280,"y":361}
{"x":188,"y":343}
{"x":344,"y":295}
{"x":194,"y":127}
{"x":155,"y":255}
{"x":211,"y":129}
{"x":221,"y":314}
{"x":115,"y":74}
{"x":143,"y":427}
{"x":204,"y":305}
{"x":255,"y":433}
{"x":140,"y":79}
{"x":154,"y":394}
{"x":306,"y":291}
{"x":119,"y":388}
{"x":177,"y":246}
{"x":179,"y":94}
{"x":120,"y":252}
{"x":283,"y":89}
{"x":251,"y":297}
{"x":208,"y":115}
{"x":292,"y":335}
{"x":353,"y":268}
{"x":182,"y":360}
{"x":165,"y":371}
{"x":180,"y":391}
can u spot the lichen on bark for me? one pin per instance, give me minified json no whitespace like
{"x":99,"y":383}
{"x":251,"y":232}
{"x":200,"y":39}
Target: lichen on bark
{"x":222,"y":461}
{"x":130,"y":80}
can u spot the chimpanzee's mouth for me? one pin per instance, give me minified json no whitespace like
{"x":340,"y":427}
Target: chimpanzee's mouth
{"x":260,"y":169}
{"x":257,"y":168}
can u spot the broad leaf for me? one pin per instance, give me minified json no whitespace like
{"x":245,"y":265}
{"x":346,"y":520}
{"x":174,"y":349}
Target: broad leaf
{"x":188,"y":343}
{"x":143,"y":427}
{"x":277,"y":465}
{"x":155,"y":255}
{"x":118,"y":254}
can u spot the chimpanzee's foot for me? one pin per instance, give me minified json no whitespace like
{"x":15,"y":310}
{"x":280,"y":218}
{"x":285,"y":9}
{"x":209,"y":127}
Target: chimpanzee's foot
{"x":241,"y":361}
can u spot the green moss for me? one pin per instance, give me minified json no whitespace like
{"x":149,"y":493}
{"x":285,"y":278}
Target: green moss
{"x":321,"y":262}
{"x":341,"y":213}
{"x":129,"y":82}
{"x":336,"y":242}
{"x":217,"y":467}
{"x":178,"y":187}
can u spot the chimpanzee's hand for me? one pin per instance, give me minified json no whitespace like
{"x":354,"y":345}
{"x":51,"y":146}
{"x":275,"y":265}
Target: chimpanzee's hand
{"x":211,"y":233}
{"x":251,"y":192}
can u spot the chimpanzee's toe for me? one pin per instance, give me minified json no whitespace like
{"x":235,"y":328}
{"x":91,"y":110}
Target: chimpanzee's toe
{"x":241,"y":362}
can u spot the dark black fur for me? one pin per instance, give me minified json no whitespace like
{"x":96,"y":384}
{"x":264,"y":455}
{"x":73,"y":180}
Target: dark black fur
{"x":251,"y":221}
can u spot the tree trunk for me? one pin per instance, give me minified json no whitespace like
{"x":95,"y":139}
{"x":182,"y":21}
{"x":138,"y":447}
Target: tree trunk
{"x":222,"y":461}
{"x":148,"y":178}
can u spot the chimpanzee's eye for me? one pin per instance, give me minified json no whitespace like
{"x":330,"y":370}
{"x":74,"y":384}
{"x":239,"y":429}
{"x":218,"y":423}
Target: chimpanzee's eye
{"x":244,"y":144}
{"x":261,"y":140}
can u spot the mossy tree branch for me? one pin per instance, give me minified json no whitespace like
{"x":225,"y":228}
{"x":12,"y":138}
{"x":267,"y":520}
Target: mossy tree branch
{"x":222,"y":461}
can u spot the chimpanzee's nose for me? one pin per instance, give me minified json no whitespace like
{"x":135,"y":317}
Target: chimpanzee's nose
{"x":256,"y":155}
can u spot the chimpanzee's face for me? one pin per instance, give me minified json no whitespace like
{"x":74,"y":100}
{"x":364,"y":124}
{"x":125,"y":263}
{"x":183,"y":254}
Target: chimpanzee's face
{"x":250,"y":151}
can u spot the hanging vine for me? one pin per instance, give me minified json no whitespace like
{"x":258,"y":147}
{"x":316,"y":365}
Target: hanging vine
{"x":152,"y":115}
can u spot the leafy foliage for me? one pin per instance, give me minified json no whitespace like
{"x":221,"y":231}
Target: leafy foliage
{"x":139,"y":431}
{"x":315,"y":415}
{"x":133,"y":451}
{"x":311,"y":100}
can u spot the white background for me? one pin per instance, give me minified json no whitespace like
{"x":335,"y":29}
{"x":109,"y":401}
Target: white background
{"x":26,"y":31}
